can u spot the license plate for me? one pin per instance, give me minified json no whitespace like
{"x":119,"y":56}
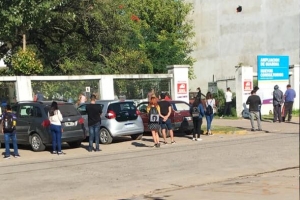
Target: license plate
{"x":188,"y":118}
{"x":129,"y":125}
{"x":69,"y":124}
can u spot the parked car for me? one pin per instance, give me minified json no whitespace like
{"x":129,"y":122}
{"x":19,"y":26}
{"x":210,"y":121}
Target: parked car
{"x":180,"y":117}
{"x":33,"y":125}
{"x":119,"y":118}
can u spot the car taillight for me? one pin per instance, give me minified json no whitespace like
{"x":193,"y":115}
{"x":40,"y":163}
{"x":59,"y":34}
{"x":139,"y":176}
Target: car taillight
{"x":138,"y":112}
{"x":110,"y":114}
{"x":46,"y":123}
{"x":81,"y":121}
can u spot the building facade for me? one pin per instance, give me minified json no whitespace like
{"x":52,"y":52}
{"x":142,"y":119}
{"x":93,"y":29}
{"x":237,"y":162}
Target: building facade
{"x":226,"y":38}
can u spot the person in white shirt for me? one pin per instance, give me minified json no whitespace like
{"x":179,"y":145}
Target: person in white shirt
{"x":55,"y":118}
{"x":228,"y":99}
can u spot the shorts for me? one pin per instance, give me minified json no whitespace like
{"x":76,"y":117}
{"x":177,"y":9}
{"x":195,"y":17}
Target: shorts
{"x":165,"y":125}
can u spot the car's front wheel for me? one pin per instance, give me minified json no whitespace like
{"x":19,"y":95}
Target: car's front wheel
{"x":37,"y":143}
{"x":75,"y":144}
{"x":137,"y":136}
{"x":105,"y":137}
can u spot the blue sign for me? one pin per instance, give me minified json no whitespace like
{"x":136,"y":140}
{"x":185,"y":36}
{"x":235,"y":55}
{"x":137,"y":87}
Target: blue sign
{"x":272,"y":67}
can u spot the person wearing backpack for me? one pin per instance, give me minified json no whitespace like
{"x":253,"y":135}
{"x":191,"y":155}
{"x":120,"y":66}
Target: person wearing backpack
{"x":153,"y":111}
{"x":9,"y":122}
{"x":210,"y":104}
{"x":197,"y":112}
{"x":55,"y":118}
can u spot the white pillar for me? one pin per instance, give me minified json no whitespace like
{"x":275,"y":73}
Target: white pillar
{"x":23,"y":88}
{"x":106,"y":88}
{"x":180,"y":82}
{"x":243,"y":86}
{"x":296,"y":85}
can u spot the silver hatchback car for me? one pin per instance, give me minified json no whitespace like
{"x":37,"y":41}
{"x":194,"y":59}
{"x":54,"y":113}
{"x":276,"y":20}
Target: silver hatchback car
{"x":119,"y":118}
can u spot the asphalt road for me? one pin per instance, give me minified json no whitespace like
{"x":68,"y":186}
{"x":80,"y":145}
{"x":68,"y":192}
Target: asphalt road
{"x":134,"y":170}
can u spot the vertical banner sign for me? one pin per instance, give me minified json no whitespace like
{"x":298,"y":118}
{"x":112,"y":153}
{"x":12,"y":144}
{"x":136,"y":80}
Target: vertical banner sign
{"x":182,"y":91}
{"x":271,"y":70}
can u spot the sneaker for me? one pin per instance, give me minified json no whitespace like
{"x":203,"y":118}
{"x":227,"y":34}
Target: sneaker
{"x":199,"y":139}
{"x":252,"y":129}
{"x":61,"y":153}
{"x":97,"y":150}
{"x":194,"y":139}
{"x":165,"y":142}
{"x":154,"y":145}
{"x":173,"y":142}
{"x":6,"y":157}
{"x":17,"y":156}
{"x":54,"y":152}
{"x":157,"y":145}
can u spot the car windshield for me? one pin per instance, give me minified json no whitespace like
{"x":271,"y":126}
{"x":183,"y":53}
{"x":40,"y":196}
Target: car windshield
{"x":66,"y":110}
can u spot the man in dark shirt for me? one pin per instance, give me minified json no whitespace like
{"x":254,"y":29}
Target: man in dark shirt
{"x":165,"y":122}
{"x":94,"y":112}
{"x":254,"y":103}
{"x":289,"y":97}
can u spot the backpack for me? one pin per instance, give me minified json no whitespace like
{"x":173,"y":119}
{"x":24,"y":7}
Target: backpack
{"x":8,"y":123}
{"x":195,"y":112}
{"x":153,"y":115}
{"x":209,"y":109}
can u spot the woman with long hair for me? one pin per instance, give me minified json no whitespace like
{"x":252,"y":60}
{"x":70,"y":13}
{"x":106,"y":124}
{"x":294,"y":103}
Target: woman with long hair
{"x":55,"y":118}
{"x":153,"y":111}
{"x":210,"y":104}
{"x":197,"y":113}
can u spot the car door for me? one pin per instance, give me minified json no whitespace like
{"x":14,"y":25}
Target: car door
{"x":24,"y":120}
{"x":142,"y":107}
{"x":82,"y":111}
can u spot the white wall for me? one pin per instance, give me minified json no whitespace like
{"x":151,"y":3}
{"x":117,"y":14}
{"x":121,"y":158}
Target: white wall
{"x":225,"y":38}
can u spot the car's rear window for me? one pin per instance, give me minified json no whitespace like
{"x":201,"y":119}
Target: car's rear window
{"x":124,"y":111}
{"x":180,"y":106}
{"x":66,"y":110}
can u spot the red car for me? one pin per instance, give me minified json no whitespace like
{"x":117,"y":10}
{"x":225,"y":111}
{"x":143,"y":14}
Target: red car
{"x":180,"y":117}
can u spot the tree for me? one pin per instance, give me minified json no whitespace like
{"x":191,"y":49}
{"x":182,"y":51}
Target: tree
{"x":99,"y":36}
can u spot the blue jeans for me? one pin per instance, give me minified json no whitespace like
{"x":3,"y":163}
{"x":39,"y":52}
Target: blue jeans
{"x":56,"y":137}
{"x":13,"y":137}
{"x":209,"y":119}
{"x":94,"y":134}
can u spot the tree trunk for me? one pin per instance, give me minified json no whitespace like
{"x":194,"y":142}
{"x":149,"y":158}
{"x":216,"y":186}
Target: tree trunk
{"x":24,"y":42}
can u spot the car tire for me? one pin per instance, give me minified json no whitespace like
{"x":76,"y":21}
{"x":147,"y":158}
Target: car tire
{"x":36,"y":143}
{"x":75,"y":144}
{"x":137,"y":136}
{"x":160,"y":133}
{"x":105,"y":137}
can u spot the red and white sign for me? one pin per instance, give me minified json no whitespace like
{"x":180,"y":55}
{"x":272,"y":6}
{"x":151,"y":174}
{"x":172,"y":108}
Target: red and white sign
{"x":181,"y":88}
{"x":247,"y":85}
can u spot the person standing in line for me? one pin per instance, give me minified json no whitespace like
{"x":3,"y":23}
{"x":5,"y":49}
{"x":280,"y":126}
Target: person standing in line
{"x":199,"y":93}
{"x":153,"y":111}
{"x":82,"y":98}
{"x":9,"y":129}
{"x":254,"y":101}
{"x":94,"y":112}
{"x":256,"y":88}
{"x":150,"y":94}
{"x":165,"y":121}
{"x":277,"y":102}
{"x":55,"y":118}
{"x":197,"y":113}
{"x":209,"y":111}
{"x":228,"y":99}
{"x":289,"y":97}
